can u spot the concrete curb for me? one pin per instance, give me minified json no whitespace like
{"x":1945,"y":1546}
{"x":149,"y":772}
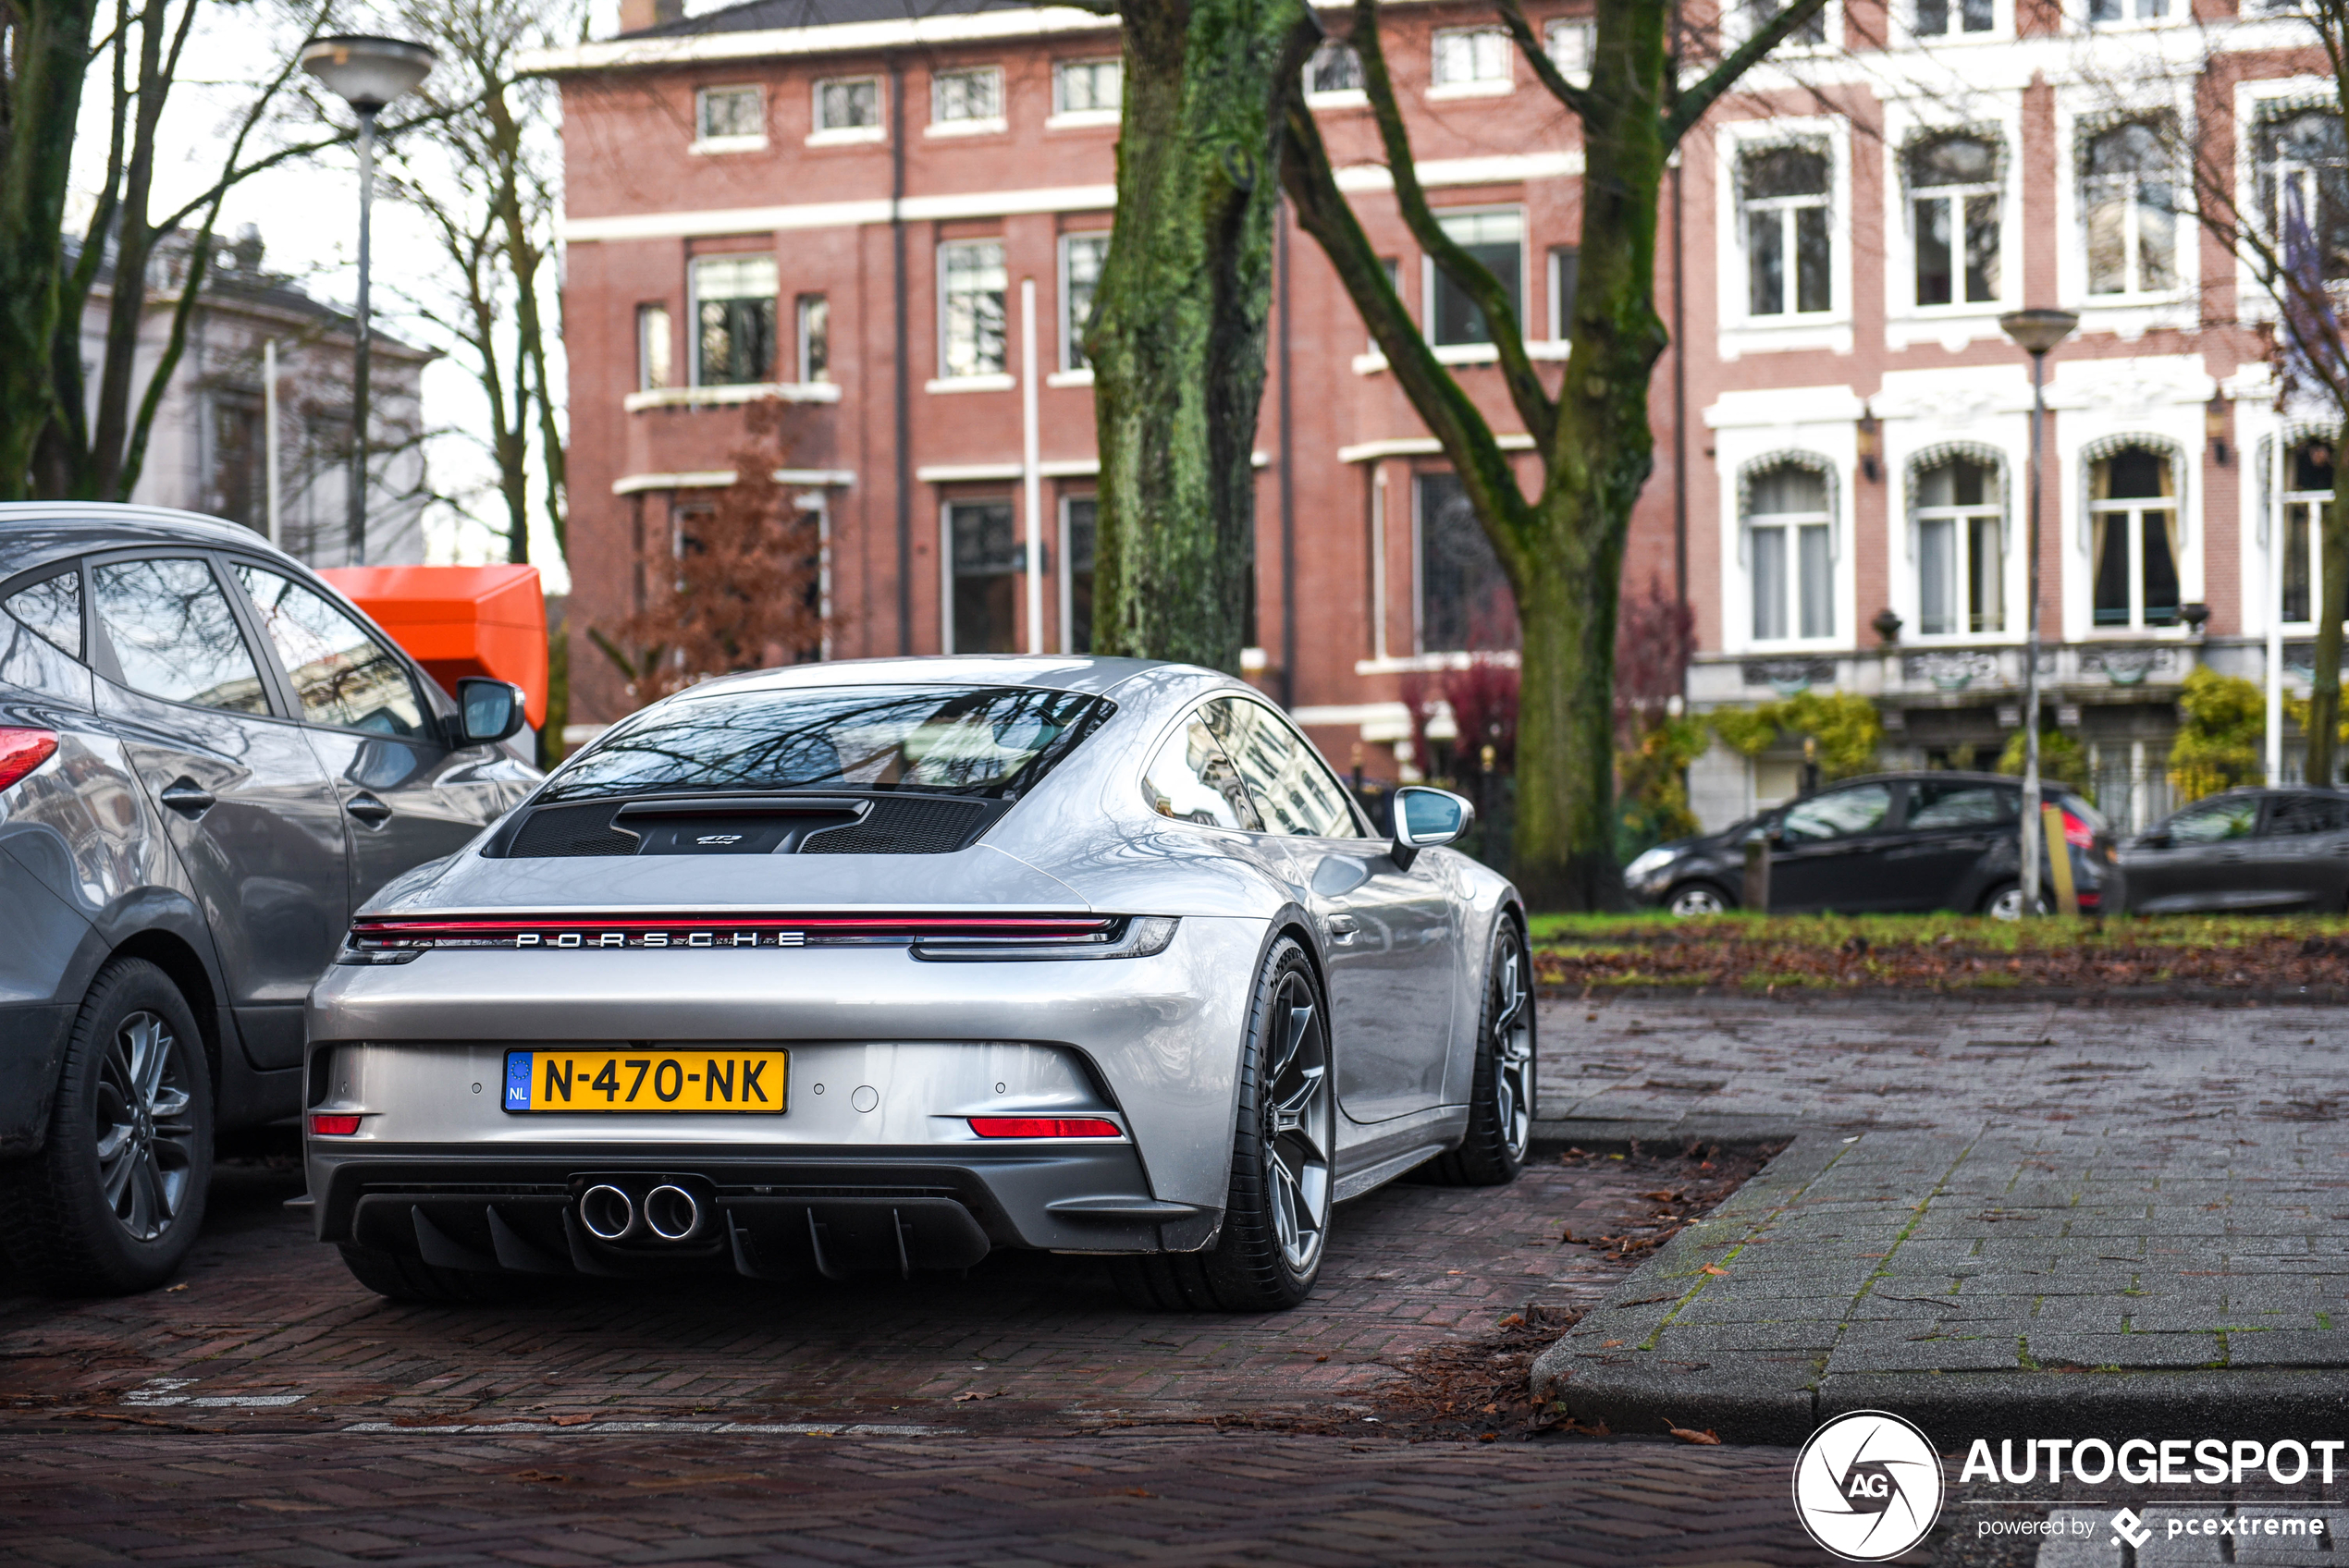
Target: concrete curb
{"x":1659,"y":1136}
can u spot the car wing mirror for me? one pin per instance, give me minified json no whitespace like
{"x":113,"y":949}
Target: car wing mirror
{"x":488,"y":711}
{"x":2153,"y":841}
{"x":1426,"y":817}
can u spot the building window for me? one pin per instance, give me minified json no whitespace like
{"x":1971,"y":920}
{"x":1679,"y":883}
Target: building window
{"x":2304,"y":189}
{"x":731,"y":114}
{"x":2128,"y":201}
{"x":238,"y":490}
{"x":1566,"y":271}
{"x":984,"y":553}
{"x":1334,"y":67}
{"x":1472,"y":57}
{"x":848,"y":104}
{"x":653,"y":349}
{"x":1571,"y":43}
{"x":735,"y":307}
{"x":1082,"y":256}
{"x":970,"y":315}
{"x":1953,"y":186}
{"x":1497,"y":239}
{"x":1810,"y":33}
{"x":2132,"y":516}
{"x":1086,"y":87}
{"x":814,"y":338}
{"x":1078,"y":514}
{"x":1464,"y":598}
{"x":1784,"y":194}
{"x":1961,"y":554}
{"x":1937,"y":18}
{"x":1790,"y":551}
{"x":2308,"y":491}
{"x":962,"y":97}
{"x":2102,"y":11}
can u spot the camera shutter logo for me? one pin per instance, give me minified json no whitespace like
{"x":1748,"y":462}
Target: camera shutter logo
{"x":1867,"y":1486}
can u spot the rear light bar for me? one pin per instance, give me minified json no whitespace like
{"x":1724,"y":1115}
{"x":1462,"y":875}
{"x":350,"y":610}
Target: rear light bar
{"x":383,"y":939}
{"x":21,"y":751}
{"x":2077,"y":833}
{"x":333,"y":1126}
{"x":1045,"y":1127}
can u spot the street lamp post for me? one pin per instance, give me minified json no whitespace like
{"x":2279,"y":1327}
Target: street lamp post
{"x":2035,"y":332}
{"x":366,"y":73}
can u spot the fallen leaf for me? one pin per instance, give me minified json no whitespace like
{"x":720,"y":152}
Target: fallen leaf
{"x":1321,"y":1359}
{"x":1514,"y":1320}
{"x":967,"y":1395}
{"x":1137,"y":1491}
{"x":170,"y":1289}
{"x":1662,"y":1197}
{"x":1609,"y":1345}
{"x":1714,"y":1269}
{"x":573,"y":1420}
{"x":1488,"y":1437}
{"x":1708,"y":1436}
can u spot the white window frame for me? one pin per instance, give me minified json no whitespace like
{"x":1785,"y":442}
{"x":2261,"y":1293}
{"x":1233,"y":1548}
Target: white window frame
{"x":2254,"y":102}
{"x":973,"y":125}
{"x":2176,"y":12}
{"x":1063,"y":117}
{"x":692,"y":316}
{"x":1961,"y":518}
{"x":1959,"y":322}
{"x":1575,"y":68}
{"x":1473,"y":353}
{"x":2001,"y":28}
{"x":1793,"y":525}
{"x":2133,"y":508}
{"x":646,"y":348}
{"x":823,"y":135}
{"x":1788,"y":210}
{"x":1829,"y":21}
{"x":1740,"y":331}
{"x":705,"y":144}
{"x":1957,"y":195}
{"x":947,"y":380}
{"x":1335,"y":97}
{"x":1561,"y":322}
{"x":1479,"y":86}
{"x":2182,"y":232}
{"x":1069,"y":323}
{"x":946,"y":569}
{"x":1065,"y":563}
{"x":2082,"y":110}
{"x":2300,"y":513}
{"x":800,"y":303}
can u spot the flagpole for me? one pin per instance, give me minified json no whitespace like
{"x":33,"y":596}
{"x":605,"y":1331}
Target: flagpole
{"x":2277,"y":521}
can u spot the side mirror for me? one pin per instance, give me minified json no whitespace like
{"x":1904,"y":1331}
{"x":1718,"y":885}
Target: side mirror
{"x":488,"y":710}
{"x":2154,"y":841}
{"x":1425,"y":818}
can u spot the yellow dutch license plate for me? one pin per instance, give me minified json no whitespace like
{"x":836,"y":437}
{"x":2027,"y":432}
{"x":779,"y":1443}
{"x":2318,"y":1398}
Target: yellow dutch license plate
{"x":702,"y":1083}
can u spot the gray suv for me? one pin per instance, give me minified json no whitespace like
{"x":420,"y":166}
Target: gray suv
{"x":208,"y":758}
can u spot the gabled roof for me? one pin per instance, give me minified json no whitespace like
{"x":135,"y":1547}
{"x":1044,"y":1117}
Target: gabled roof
{"x":763,"y":15}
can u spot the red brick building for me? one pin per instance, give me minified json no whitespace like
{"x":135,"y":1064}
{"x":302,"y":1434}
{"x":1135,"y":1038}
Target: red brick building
{"x":896,"y":220}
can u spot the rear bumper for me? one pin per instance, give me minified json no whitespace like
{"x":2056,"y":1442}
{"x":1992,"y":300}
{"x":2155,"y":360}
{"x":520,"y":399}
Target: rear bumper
{"x":32,"y":1042}
{"x":811,"y":1211}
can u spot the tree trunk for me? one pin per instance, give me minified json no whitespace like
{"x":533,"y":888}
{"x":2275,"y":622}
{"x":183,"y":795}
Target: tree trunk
{"x":1179,"y":330}
{"x":44,"y":50}
{"x":2324,"y":696}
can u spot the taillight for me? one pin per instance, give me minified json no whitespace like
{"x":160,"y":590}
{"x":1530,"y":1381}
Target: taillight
{"x":21,"y":751}
{"x":333,"y":1126}
{"x":2078,"y":833}
{"x":1045,"y":1127}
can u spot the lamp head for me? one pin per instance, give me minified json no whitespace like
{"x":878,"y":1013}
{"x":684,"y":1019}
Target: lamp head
{"x":2036,"y":332}
{"x":367,"y":73}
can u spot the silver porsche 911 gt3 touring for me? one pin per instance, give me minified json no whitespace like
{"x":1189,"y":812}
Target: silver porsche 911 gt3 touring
{"x":884,"y":965}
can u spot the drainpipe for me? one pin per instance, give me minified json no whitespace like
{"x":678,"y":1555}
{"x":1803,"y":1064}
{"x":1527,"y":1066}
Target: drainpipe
{"x":1032,"y":468}
{"x":1288,"y":471}
{"x":905,"y":358}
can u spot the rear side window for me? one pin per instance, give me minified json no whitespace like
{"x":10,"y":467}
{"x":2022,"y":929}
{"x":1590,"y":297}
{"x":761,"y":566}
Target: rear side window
{"x":342,"y":675}
{"x":1294,"y":790}
{"x":2215,"y":821}
{"x":2293,"y":815}
{"x":175,"y":636}
{"x":52,"y":607}
{"x":1191,"y":780}
{"x":1961,"y":805}
{"x":982,"y":742}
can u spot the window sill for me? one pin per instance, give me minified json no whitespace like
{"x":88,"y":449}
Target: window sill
{"x":738,"y":392}
{"x":1431,"y":664}
{"x":971,"y":384}
{"x":1450,"y":90}
{"x":1070,"y":377}
{"x":847,"y":136}
{"x":995,"y":127}
{"x":1079,"y":119}
{"x":1344,"y":98}
{"x":1829,"y":330}
{"x":714,"y":145}
{"x":1538,"y":350}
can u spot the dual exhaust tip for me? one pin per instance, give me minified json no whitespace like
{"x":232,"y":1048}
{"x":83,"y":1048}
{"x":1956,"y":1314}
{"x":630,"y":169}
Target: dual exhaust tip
{"x":668,"y":1213}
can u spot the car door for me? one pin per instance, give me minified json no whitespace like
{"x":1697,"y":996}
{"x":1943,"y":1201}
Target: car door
{"x":1829,"y":851}
{"x":2295,"y":859}
{"x":2189,"y":862}
{"x":1951,"y":826}
{"x":1393,"y":947}
{"x":408,"y":795}
{"x":249,"y":808}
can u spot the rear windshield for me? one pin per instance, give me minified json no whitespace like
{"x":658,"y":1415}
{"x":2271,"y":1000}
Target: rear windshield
{"x":990,"y":741}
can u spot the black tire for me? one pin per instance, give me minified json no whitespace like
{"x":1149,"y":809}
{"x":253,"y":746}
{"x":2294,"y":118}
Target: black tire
{"x":1277,"y":1213}
{"x":413,"y":1280}
{"x":1501,"y":1103}
{"x":1683,"y":899}
{"x":2011,"y":895}
{"x":115,"y":1197}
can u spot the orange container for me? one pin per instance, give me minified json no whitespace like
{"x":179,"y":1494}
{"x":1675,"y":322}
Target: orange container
{"x":460,"y":621}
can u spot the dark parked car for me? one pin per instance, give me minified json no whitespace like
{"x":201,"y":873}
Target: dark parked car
{"x":208,"y":758}
{"x":2245,"y":850}
{"x":1894,"y":842}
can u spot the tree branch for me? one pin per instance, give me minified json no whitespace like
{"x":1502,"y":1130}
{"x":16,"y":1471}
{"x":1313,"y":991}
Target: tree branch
{"x":1545,"y":70}
{"x":1687,"y":108}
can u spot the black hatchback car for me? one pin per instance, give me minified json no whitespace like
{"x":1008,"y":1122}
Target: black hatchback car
{"x":2248,"y":849}
{"x":208,"y":758}
{"x":1894,"y":842}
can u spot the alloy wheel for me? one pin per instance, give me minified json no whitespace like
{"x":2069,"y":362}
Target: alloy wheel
{"x":1299,"y":1128}
{"x":146,"y":1137}
{"x":1513,"y":1048}
{"x":1697,"y":900}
